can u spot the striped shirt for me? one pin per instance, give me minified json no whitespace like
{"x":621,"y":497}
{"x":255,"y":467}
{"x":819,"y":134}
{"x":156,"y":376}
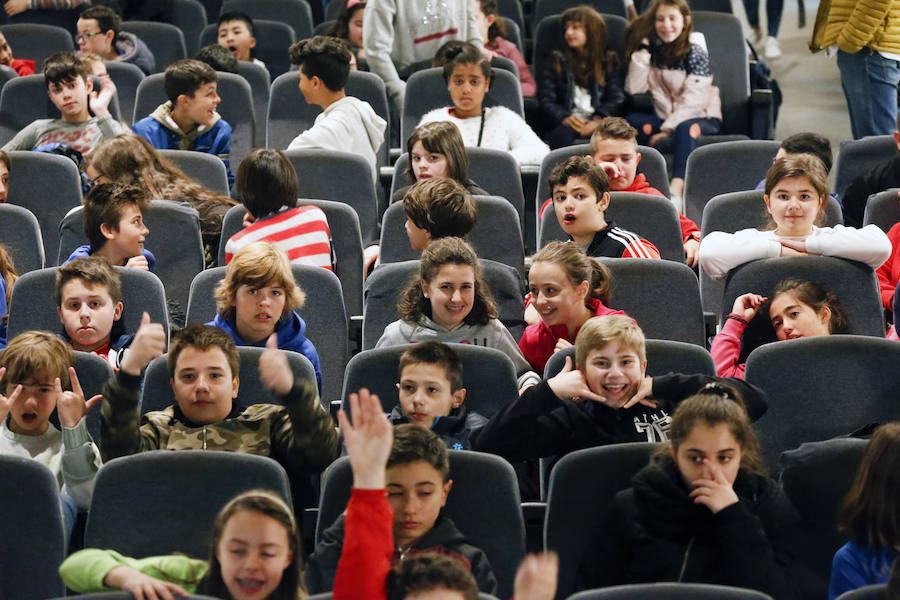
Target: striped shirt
{"x":616,"y":242}
{"x":301,"y":232}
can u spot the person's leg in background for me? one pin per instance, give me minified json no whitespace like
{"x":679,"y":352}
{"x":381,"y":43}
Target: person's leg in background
{"x":870,"y":82}
{"x":646,"y":124}
{"x":774,"y":9}
{"x":684,"y":139}
{"x":751,"y":8}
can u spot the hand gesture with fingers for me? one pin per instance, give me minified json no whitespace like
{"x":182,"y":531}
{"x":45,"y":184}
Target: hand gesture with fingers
{"x":570,"y":383}
{"x":747,"y":305}
{"x":149,"y":342}
{"x":100,"y":99}
{"x":536,"y":577}
{"x":714,"y":492}
{"x":368,"y":439}
{"x":574,"y":122}
{"x":643,"y":394}
{"x":71,"y":406}
{"x":274,"y":369}
{"x":141,"y":586}
{"x":6,"y":402}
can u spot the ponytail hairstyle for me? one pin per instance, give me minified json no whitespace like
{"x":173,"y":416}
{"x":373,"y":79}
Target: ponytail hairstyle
{"x":870,"y":512}
{"x":7,"y":272}
{"x":440,"y":252}
{"x":270,"y":505}
{"x":596,"y":59}
{"x":578,"y":267}
{"x":817,"y":298}
{"x":809,"y":166}
{"x":715,"y":404}
{"x":498,"y":27}
{"x":441,"y":137}
{"x":464,"y":54}
{"x":644,"y":27}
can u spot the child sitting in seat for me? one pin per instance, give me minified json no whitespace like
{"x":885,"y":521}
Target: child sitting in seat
{"x":267,"y":187}
{"x":493,"y":29}
{"x":22,"y":66}
{"x":237,"y":33}
{"x":34,"y":369}
{"x":450,"y":303}
{"x":437,"y":207}
{"x":89,"y":303}
{"x":417,"y":477}
{"x":114,"y":225}
{"x":605,"y":398}
{"x":468,"y":77}
{"x":796,"y":193}
{"x":258,"y":298}
{"x":8,"y":276}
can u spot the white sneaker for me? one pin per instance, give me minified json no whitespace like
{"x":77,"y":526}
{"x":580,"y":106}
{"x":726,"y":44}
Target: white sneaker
{"x":773,"y":50}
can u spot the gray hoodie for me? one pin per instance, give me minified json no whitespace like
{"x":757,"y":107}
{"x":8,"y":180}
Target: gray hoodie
{"x":493,"y":335}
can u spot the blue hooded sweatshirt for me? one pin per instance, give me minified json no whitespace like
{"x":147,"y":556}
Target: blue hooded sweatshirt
{"x":85,"y":252}
{"x":289,"y":329}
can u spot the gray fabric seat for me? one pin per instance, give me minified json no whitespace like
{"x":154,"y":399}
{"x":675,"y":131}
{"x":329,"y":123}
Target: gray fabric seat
{"x":822,"y":387}
{"x":126,"y":518}
{"x":546,"y":8}
{"x":258,"y":78}
{"x":20,"y":232}
{"x":127,"y":78}
{"x":93,"y":372}
{"x":190,"y":17}
{"x":206,"y":169}
{"x":663,"y":356}
{"x":33,"y":304}
{"x":855,"y":157}
{"x":166,"y":41}
{"x":883,"y":210}
{"x":295,"y":13}
{"x":273,"y":38}
{"x":174,"y":240}
{"x":36,"y":41}
{"x":323,"y":312}
{"x":31,"y":521}
{"x":495,"y":236}
{"x":484,"y":505}
{"x":671,"y":591}
{"x":869,"y":592}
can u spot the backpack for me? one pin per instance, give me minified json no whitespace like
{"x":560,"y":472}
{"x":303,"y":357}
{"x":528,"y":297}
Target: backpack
{"x":761,"y":79}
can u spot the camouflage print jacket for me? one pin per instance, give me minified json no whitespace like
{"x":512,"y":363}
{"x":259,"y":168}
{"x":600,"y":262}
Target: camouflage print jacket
{"x":300,"y":435}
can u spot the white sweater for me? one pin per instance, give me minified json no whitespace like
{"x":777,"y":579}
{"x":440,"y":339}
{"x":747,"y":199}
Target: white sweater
{"x":348,"y":125}
{"x":71,"y":456}
{"x":720,"y":252}
{"x":503,"y":130}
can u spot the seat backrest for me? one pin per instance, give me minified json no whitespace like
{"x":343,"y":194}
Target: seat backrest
{"x":712,"y":6}
{"x":273,"y":38}
{"x":22,"y":100}
{"x":206,"y":169}
{"x":190,"y":17}
{"x":93,"y":372}
{"x":651,"y":217}
{"x":512,"y":9}
{"x":174,"y":240}
{"x":166,"y":41}
{"x":127,"y":78}
{"x":126,"y":596}
{"x":741,"y":164}
{"x":652,"y":165}
{"x":6,"y":74}
{"x":258,"y":78}
{"x":883,"y":210}
{"x":341,"y":177}
{"x":670,"y":284}
{"x":590,"y":477}
{"x":816,"y":477}
{"x":513,"y":31}
{"x":212,"y":11}
{"x":877,"y":591}
{"x":733,"y":212}
{"x":323,"y":312}
{"x":189,"y":488}
{"x":157,"y":392}
{"x":546,"y":8}
{"x":847,"y":375}
{"x":488,"y":376}
{"x":663,"y":356}
{"x":855,"y":157}
{"x":484,"y":505}
{"x":33,"y":304}
{"x":854,"y":284}
{"x":236,"y":108}
{"x":20,"y":232}
{"x":671,"y":591}
{"x":495,"y":236}
{"x":37,"y":42}
{"x":30,"y":522}
{"x":728,"y":60}
{"x":548,"y":34}
{"x":290,"y":114}
{"x":427,"y":90}
{"x":295,"y":13}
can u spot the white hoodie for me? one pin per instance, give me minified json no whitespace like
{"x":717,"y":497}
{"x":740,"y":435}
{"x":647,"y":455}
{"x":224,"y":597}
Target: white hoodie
{"x":348,"y":125}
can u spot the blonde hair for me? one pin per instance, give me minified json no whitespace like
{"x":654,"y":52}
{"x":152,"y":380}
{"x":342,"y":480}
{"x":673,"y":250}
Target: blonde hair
{"x":36,"y":354}
{"x":257,"y":265}
{"x":597,"y":332}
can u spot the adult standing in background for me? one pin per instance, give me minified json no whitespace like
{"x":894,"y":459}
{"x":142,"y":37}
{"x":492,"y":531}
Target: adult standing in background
{"x":774,"y":8}
{"x":399,"y":33}
{"x":867,"y":36}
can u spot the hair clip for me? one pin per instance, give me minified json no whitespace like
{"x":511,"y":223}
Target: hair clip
{"x":719,"y":389}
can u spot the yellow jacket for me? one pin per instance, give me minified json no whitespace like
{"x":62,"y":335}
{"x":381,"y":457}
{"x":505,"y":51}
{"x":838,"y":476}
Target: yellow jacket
{"x":857,"y":24}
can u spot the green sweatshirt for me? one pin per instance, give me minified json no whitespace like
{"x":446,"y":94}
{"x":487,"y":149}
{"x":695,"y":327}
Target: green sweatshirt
{"x":85,"y":570}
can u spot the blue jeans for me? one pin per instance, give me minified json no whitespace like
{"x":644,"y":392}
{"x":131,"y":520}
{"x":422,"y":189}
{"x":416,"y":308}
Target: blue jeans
{"x":773,"y":14}
{"x":870,"y":86}
{"x":682,"y":142}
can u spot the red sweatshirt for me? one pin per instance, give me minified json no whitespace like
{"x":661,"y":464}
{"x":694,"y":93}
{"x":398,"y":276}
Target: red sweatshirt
{"x":368,"y":546}
{"x":889,"y":272}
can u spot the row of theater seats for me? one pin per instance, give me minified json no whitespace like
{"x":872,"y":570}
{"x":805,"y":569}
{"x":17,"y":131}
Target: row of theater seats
{"x":132,"y":508}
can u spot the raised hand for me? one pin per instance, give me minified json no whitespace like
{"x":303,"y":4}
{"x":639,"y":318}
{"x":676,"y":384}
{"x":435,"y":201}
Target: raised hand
{"x":536,"y":577}
{"x":715,"y":491}
{"x":570,"y":383}
{"x":747,"y":305}
{"x":141,"y":586}
{"x":368,"y":439}
{"x":100,"y":99}
{"x":643,"y":394}
{"x":274,"y":369}
{"x":14,"y":7}
{"x":149,"y":342}
{"x":71,"y":406}
{"x":6,"y":402}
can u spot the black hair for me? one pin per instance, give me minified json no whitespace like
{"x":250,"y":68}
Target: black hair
{"x":327,"y":58}
{"x":236,"y":15}
{"x":219,"y":58}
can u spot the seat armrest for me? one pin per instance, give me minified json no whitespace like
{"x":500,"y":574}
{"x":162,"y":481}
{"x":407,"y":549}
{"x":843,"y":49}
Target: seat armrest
{"x":762,"y":117}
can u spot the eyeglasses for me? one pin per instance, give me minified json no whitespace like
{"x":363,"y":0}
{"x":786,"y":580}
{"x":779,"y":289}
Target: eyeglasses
{"x":83,"y":37}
